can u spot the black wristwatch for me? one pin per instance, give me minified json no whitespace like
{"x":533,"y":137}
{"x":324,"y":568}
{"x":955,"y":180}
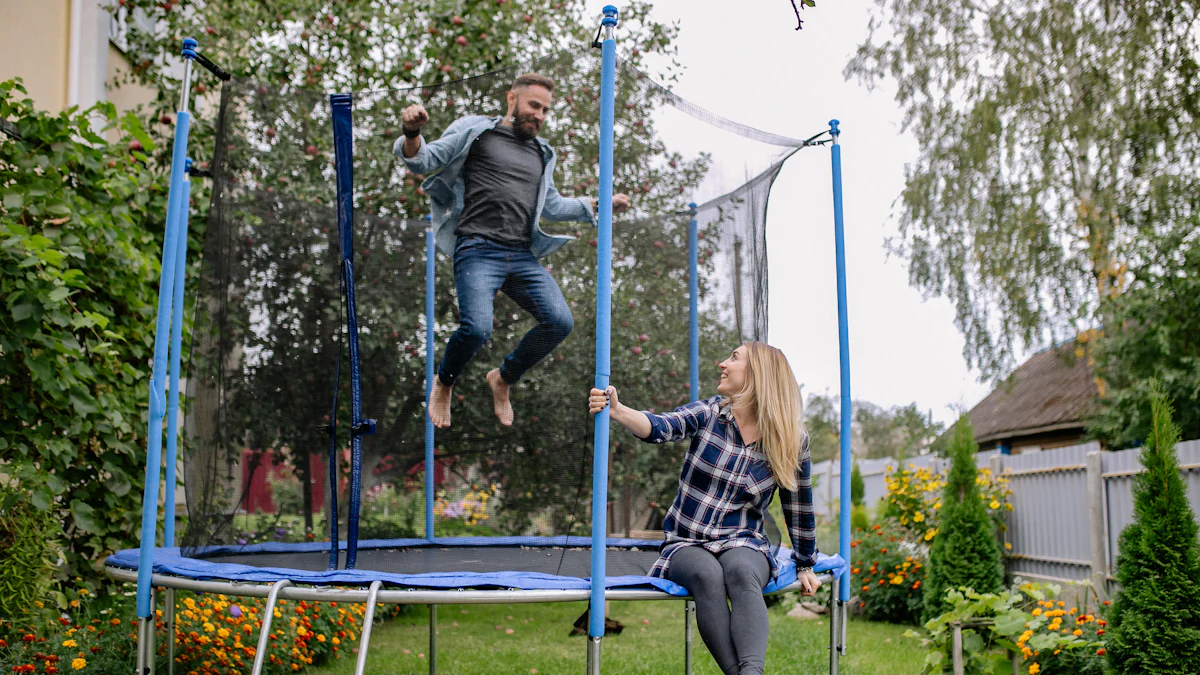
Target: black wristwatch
{"x":411,"y":134}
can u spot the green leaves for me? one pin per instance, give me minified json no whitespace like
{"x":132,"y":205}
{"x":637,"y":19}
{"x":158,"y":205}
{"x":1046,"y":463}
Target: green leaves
{"x":85,"y":517}
{"x":1052,"y":137}
{"x":78,"y":304}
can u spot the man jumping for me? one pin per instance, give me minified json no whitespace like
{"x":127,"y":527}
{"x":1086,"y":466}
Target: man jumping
{"x":494,"y":180}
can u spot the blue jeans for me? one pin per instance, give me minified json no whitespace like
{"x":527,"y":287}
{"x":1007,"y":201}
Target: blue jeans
{"x":481,"y":268}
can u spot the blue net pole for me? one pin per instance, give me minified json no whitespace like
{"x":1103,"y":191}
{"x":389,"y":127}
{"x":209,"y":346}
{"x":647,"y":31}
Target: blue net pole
{"x":608,"y":76}
{"x":181,"y":218}
{"x":430,"y":263}
{"x":843,"y":359}
{"x":693,"y":307}
{"x":343,"y":146}
{"x":158,"y":379}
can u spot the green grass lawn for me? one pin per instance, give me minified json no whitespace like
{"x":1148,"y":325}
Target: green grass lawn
{"x":478,"y":641}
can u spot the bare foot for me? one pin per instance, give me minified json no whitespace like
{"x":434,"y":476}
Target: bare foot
{"x":500,"y":402}
{"x":439,"y":404}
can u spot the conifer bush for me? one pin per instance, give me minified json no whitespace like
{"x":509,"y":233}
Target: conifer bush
{"x":1155,"y":619}
{"x":966,"y":553}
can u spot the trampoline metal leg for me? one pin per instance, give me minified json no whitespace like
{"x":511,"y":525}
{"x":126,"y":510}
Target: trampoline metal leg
{"x":689,"y":610}
{"x":593,"y":656}
{"x":433,"y":640}
{"x":260,"y":655}
{"x":146,"y":651}
{"x":364,"y":636}
{"x":169,"y":623}
{"x":835,"y":629}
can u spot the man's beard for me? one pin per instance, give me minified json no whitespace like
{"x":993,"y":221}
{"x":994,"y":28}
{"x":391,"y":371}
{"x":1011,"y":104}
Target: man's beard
{"x":522,"y":125}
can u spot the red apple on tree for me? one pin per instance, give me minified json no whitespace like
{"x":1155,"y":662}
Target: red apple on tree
{"x":457,"y":21}
{"x":637,"y":351}
{"x":461,"y":40}
{"x":311,"y":150}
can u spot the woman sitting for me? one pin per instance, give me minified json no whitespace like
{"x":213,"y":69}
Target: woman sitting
{"x":746,"y":442}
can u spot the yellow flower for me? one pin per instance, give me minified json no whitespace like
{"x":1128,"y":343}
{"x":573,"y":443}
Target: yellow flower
{"x":223,"y":633}
{"x":337,"y":641}
{"x":1007,"y":546}
{"x":1037,"y":611}
{"x":1034,"y":669}
{"x":83,"y":591}
{"x":1077,"y":632}
{"x":930,"y":534}
{"x":320,"y":638}
{"x":994,"y":504}
{"x":75,"y":604}
{"x":918,"y":517}
{"x":70,"y":643}
{"x":79,"y":664}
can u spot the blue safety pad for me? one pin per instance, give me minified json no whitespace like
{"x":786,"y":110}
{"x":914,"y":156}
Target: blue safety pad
{"x":169,"y":561}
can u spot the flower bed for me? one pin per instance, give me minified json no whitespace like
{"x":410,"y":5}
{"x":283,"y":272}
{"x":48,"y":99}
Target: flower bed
{"x":887,"y":575}
{"x":214,"y":635}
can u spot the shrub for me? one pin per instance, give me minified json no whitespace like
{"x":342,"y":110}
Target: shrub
{"x":858,"y":489}
{"x":860,"y":518}
{"x":914,"y":499}
{"x":28,"y":551}
{"x":78,"y":271}
{"x":1050,"y":638}
{"x":965,"y":554}
{"x":1156,"y":615}
{"x":887,"y":575}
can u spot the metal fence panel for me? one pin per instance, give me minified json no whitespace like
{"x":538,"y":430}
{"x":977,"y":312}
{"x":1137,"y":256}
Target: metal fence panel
{"x":1048,"y":527}
{"x":1119,"y":470}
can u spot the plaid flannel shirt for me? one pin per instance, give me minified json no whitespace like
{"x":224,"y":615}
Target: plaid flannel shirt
{"x":725,"y":487}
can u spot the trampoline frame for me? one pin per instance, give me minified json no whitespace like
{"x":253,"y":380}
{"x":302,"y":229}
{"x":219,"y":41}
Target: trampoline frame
{"x":374,"y":594}
{"x":168,"y":345}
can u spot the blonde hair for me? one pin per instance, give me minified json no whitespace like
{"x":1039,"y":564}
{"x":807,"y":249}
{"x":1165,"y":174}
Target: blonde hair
{"x":772,"y":392}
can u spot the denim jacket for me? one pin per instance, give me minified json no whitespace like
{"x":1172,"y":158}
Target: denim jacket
{"x":445,"y":159}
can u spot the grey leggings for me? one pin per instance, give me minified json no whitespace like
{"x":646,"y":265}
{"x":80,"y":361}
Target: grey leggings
{"x":730,"y":611}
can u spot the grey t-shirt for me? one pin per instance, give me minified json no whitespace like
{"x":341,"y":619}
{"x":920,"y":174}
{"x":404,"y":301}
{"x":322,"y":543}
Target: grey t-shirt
{"x":502,"y":175}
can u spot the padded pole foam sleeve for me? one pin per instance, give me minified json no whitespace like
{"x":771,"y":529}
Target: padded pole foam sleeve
{"x":844,"y":359}
{"x":158,"y":379}
{"x":608,"y":77}
{"x":343,"y":146}
{"x":430,"y":264}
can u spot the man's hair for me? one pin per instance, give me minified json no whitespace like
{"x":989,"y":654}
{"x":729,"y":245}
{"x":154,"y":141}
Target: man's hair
{"x":532,"y":79}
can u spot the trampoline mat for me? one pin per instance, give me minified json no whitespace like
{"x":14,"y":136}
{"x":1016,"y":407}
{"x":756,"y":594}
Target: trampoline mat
{"x":570,"y":562}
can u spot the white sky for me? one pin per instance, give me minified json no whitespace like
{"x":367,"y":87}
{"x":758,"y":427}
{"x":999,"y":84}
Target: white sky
{"x":747,"y":63}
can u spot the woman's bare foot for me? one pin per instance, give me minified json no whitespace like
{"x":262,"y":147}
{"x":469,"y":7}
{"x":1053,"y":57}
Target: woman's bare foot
{"x":500,"y":402}
{"x":439,"y":404}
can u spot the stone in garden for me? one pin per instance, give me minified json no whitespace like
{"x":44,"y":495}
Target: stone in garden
{"x":799,"y":612}
{"x":815,"y":607}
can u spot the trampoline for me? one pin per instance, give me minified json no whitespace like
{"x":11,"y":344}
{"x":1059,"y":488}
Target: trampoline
{"x":310,"y":469}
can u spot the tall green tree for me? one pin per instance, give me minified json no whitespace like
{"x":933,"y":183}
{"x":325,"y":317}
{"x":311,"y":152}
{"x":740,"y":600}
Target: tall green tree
{"x":1151,"y":344}
{"x":1050,"y":132}
{"x":289,"y":56}
{"x":1155,"y":620}
{"x":966,"y":553}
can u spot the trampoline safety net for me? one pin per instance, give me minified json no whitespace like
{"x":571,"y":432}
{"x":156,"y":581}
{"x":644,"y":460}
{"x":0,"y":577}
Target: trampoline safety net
{"x":270,"y":438}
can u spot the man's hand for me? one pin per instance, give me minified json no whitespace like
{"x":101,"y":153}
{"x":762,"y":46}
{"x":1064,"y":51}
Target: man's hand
{"x":414,"y":117}
{"x":620,"y":203}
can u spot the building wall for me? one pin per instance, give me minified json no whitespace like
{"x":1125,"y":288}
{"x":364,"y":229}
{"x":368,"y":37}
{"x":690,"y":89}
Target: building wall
{"x":125,"y":96}
{"x":65,"y":60}
{"x":35,"y":45}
